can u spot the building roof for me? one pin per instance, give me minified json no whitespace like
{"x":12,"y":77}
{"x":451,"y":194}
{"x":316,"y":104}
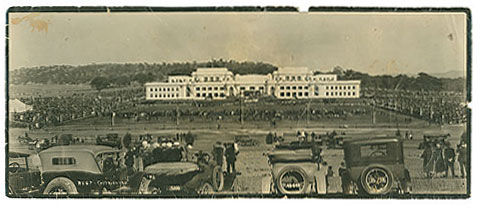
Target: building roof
{"x":212,"y":71}
{"x":251,"y":78}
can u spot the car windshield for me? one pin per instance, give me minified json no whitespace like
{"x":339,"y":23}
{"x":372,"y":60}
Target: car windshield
{"x":108,"y":161}
{"x":374,"y":151}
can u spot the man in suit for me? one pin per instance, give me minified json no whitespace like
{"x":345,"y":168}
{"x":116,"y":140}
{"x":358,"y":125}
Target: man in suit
{"x":449,"y":156}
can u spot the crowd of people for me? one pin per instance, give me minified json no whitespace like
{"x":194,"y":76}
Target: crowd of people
{"x":54,"y":110}
{"x":439,"y":159}
{"x":435,"y":107}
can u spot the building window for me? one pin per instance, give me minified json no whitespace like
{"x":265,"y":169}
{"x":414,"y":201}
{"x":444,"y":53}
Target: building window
{"x":212,"y":79}
{"x":293,"y":78}
{"x":327,"y":93}
{"x":353,"y":93}
{"x":288,"y":94}
{"x":349,"y":93}
{"x":215,"y":88}
{"x":203,"y":95}
{"x":155,"y":89}
{"x":299,"y":94}
{"x":335,"y":93}
{"x":332,"y":93}
{"x":344,"y":93}
{"x":282,"y":87}
{"x":222,"y":88}
{"x":288,"y":87}
{"x":242,"y":88}
{"x":197,"y":88}
{"x":306,"y":87}
{"x":203,"y":88}
{"x":306,"y":93}
{"x":282,"y":94}
{"x":155,"y":95}
{"x":261,"y":88}
{"x":63,"y":161}
{"x":252,"y":88}
{"x":151,"y":95}
{"x":335,"y":88}
{"x":216,"y":95}
{"x":206,"y":79}
{"x":332,"y":87}
{"x":197,"y":94}
{"x":294,"y":88}
{"x":151,"y":90}
{"x":217,"y":79}
{"x":353,"y":87}
{"x":176,"y":89}
{"x":287,"y":78}
{"x":299,"y":78}
{"x":209,"y":88}
{"x":348,"y":87}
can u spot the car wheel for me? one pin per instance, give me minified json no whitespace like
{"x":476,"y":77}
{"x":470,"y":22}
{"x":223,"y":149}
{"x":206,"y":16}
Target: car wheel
{"x":218,"y":178}
{"x":205,"y":189}
{"x":376,"y":180}
{"x":292,"y":180}
{"x":60,"y":186}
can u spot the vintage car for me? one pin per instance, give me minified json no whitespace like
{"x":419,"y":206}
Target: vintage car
{"x":295,"y":171}
{"x":23,"y":179}
{"x":39,"y":144}
{"x":376,"y":165}
{"x":433,"y":139}
{"x":86,"y":169}
{"x":245,"y":140}
{"x":112,"y":140}
{"x":184,"y":178}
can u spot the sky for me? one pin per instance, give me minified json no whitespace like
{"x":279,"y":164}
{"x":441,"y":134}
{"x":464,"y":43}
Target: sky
{"x":376,"y":43}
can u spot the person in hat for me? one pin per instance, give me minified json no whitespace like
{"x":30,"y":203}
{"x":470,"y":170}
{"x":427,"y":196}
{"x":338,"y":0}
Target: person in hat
{"x":449,"y":156}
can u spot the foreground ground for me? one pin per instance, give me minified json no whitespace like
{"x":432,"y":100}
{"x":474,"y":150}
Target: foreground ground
{"x":252,"y":163}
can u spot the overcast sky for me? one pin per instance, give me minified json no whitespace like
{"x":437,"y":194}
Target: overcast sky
{"x":377,"y":43}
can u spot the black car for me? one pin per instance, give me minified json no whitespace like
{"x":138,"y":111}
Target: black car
{"x":376,"y":165}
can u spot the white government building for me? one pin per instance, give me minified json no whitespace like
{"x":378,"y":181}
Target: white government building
{"x":285,"y":83}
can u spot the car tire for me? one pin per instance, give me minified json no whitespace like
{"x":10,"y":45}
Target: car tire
{"x":376,"y":180}
{"x":205,"y":189}
{"x":60,"y":186}
{"x":218,"y":178}
{"x":295,"y":173}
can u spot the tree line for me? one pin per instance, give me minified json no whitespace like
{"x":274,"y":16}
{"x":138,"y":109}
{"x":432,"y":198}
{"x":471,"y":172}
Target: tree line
{"x":117,"y":75}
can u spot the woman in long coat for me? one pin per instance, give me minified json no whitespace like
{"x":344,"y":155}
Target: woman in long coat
{"x":439,"y":159}
{"x":427,"y":156}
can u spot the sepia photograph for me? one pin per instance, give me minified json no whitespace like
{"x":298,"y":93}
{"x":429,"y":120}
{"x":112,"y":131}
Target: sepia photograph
{"x":247,"y":102}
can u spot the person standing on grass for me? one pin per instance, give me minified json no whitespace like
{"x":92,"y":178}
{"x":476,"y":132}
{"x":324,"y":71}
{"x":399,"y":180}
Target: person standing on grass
{"x":427,"y":160}
{"x":462,"y":159}
{"x":231,"y":156}
{"x":449,"y":156}
{"x":438,"y":159}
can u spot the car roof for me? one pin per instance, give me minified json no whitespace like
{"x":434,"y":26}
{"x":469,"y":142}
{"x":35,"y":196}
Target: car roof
{"x":372,"y":140}
{"x":94,"y":149}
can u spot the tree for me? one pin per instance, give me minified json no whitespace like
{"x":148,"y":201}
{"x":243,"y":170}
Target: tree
{"x":100,"y":83}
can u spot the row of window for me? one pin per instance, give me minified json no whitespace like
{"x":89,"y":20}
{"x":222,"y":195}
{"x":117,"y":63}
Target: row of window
{"x":209,"y":88}
{"x":293,"y":87}
{"x":211,"y":79}
{"x":341,"y":94}
{"x":340,"y":87}
{"x":163,"y":89}
{"x":210,"y":95}
{"x":252,"y":88}
{"x":176,"y":95}
{"x":293,"y":94}
{"x":306,"y":78}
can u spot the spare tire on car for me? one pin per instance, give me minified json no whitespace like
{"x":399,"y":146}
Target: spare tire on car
{"x":376,"y":180}
{"x":217,"y":178}
{"x":292,"y":180}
